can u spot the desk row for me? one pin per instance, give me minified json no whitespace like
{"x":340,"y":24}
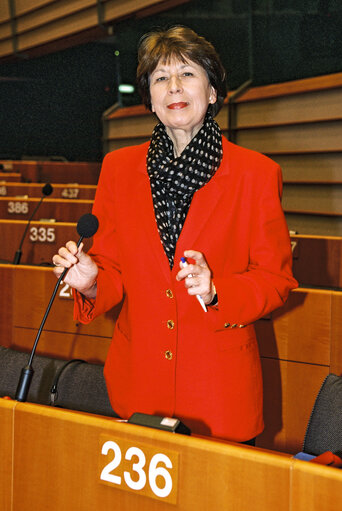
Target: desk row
{"x":316,"y":259}
{"x":59,"y":190}
{"x":299,"y":343}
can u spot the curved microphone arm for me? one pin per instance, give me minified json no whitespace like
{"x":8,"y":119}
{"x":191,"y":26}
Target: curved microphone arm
{"x":86,"y":228}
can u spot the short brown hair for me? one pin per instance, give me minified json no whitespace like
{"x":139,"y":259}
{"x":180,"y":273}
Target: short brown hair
{"x":184,"y":44}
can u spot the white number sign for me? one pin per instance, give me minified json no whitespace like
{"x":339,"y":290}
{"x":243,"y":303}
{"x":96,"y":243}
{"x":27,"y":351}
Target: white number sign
{"x":140,"y":469}
{"x":42,"y":234}
{"x":70,"y":193}
{"x":17,"y":207}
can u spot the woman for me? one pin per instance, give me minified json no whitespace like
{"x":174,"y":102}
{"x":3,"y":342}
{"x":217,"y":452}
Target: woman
{"x":186,"y":193}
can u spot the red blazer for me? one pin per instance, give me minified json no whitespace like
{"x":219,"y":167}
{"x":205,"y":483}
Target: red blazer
{"x":168,"y":357}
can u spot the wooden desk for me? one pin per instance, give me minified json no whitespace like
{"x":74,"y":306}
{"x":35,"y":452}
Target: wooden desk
{"x":60,"y":191}
{"x":27,"y":291}
{"x":299,"y":344}
{"x":62,"y":210}
{"x":42,"y":240}
{"x":10,"y":176}
{"x":317,"y":260}
{"x":55,"y":171}
{"x":54,"y":458}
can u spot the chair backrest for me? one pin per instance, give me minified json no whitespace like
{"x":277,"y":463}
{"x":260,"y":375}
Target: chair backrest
{"x":78,"y":384}
{"x":324,"y":430}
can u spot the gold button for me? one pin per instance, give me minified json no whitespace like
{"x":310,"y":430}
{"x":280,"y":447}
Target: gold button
{"x":168,"y":355}
{"x":170,"y":324}
{"x":242,"y":326}
{"x":234,"y":326}
{"x":169,"y":293}
{"x":226,"y":325}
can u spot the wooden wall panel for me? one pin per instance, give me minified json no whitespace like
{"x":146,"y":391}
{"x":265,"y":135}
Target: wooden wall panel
{"x":290,"y":390}
{"x":336,"y":335}
{"x":60,"y":191}
{"x":39,"y":22}
{"x":317,"y":260}
{"x":63,"y":345}
{"x":61,"y":210}
{"x":299,"y":137}
{"x":312,"y":106}
{"x":6,"y":451}
{"x":6,"y":309}
{"x":300,"y":330}
{"x":314,"y":224}
{"x":31,"y":301}
{"x":54,"y":172}
{"x":308,"y":168}
{"x":42,"y":240}
{"x":323,"y":198}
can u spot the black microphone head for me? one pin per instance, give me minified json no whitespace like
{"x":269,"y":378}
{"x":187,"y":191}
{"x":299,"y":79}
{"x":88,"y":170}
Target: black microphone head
{"x":47,"y":189}
{"x":87,"y":225}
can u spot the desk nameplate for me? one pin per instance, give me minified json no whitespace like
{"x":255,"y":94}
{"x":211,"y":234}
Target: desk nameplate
{"x":139,"y":468}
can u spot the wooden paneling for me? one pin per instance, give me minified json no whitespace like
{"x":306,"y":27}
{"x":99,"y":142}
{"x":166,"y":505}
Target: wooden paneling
{"x":54,"y":171}
{"x":308,"y":107}
{"x":336,"y":334}
{"x":60,"y":191}
{"x":10,"y":176}
{"x":308,"y":168}
{"x":57,"y":452}
{"x":317,"y":260}
{"x":290,"y":390}
{"x":297,"y":137}
{"x":32,"y":298}
{"x":6,"y":309}
{"x":299,"y":344}
{"x":315,"y":487}
{"x":42,"y":240}
{"x":296,"y":123}
{"x":67,"y":456}
{"x":300,"y":330}
{"x":62,"y":345}
{"x":305,"y":223}
{"x":6,"y":452}
{"x":39,"y":22}
{"x":323,"y":198}
{"x":61,"y":210}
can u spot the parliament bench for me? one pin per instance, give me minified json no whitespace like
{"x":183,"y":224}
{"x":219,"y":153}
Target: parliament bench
{"x":42,"y":240}
{"x":62,"y":210}
{"x":55,"y":171}
{"x":299,"y":343}
{"x":60,"y":190}
{"x":10,"y":176}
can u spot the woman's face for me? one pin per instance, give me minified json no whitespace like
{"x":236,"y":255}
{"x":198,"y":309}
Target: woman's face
{"x":180,"y":95}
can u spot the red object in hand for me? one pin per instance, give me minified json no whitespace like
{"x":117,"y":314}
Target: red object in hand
{"x":328,"y":458}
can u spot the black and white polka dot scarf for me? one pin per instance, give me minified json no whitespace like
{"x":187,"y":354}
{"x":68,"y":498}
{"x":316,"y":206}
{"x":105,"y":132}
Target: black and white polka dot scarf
{"x":175,"y":180}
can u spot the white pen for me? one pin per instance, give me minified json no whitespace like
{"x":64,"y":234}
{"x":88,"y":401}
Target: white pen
{"x":199,"y":298}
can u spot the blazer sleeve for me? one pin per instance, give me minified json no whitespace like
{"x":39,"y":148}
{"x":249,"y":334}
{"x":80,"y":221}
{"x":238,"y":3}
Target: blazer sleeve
{"x":105,"y":251}
{"x":245,"y":297}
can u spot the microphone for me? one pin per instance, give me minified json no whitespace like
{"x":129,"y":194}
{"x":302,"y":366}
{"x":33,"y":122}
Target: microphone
{"x":86,"y":228}
{"x":46,"y":191}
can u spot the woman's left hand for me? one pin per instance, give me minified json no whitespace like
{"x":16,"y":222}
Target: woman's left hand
{"x":197,"y":277}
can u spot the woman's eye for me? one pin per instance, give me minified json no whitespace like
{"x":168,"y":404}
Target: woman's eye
{"x":188,"y":73}
{"x":160,"y":78}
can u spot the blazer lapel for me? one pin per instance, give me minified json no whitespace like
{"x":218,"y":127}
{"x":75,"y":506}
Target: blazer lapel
{"x":204,"y":206}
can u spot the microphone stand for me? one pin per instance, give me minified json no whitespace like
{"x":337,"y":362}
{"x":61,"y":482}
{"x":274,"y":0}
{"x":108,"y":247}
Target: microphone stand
{"x":18,"y":253}
{"x":47,"y":190}
{"x":27,"y":371}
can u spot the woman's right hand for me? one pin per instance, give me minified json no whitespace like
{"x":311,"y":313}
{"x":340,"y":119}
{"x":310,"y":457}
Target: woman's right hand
{"x":82,"y":271}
